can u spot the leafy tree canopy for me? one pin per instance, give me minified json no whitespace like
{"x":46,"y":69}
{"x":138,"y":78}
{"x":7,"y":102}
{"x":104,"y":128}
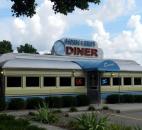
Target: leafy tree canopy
{"x":27,"y":48}
{"x":5,"y":47}
{"x":28,"y":7}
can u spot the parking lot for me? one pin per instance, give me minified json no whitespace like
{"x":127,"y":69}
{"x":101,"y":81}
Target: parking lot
{"x":127,"y":118}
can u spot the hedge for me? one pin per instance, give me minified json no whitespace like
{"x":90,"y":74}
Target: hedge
{"x":69,"y":101}
{"x":124,"y":98}
{"x":54,"y":102}
{"x":2,"y":104}
{"x":34,"y":102}
{"x":16,"y":104}
{"x":82,"y":100}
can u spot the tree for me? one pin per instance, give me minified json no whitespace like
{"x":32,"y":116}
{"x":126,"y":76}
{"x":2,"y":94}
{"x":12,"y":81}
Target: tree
{"x":27,"y":48}
{"x":28,"y":7}
{"x":5,"y":47}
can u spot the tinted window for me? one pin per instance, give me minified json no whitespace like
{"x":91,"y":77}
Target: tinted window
{"x":13,"y":81}
{"x":65,"y":81}
{"x":137,"y":81}
{"x":116,"y":81}
{"x":105,"y":81}
{"x":32,"y":81}
{"x":127,"y":81}
{"x":49,"y":81}
{"x":79,"y":81}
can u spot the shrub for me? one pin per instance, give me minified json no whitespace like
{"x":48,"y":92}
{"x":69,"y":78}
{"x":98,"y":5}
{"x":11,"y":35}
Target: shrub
{"x":91,"y":108}
{"x":113,"y":98}
{"x":73,"y":109}
{"x":90,"y":122}
{"x":82,"y":100}
{"x":8,"y":122}
{"x":138,"y":98}
{"x":2,"y":103}
{"x":105,"y":108}
{"x":16,"y":104}
{"x":127,"y":98}
{"x":33,"y":103}
{"x":69,"y":101}
{"x":117,"y":111}
{"x":45,"y":115}
{"x":54,"y":102}
{"x":32,"y":113}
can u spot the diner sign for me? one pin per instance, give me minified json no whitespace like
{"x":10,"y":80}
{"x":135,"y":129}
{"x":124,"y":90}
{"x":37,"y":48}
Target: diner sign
{"x":75,"y":47}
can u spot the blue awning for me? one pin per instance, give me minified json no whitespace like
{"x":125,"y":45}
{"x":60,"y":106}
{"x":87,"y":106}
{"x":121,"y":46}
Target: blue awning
{"x":98,"y":65}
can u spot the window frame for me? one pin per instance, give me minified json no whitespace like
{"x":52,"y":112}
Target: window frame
{"x":80,"y":85}
{"x":32,"y":85}
{"x":65,"y":85}
{"x":138,"y":78}
{"x":119,"y":81}
{"x":12,"y":76}
{"x":105,"y":84}
{"x":49,"y":77}
{"x":124,"y":81}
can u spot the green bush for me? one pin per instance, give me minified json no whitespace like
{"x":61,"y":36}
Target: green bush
{"x":105,"y":108}
{"x":113,"y":98}
{"x":82,"y":100}
{"x":127,"y":98}
{"x":91,"y":108}
{"x":124,"y":98}
{"x":33,"y":103}
{"x":45,"y":115}
{"x":2,"y":104}
{"x":73,"y":109}
{"x":8,"y":122}
{"x":16,"y":104}
{"x":138,"y":98}
{"x":54,"y":102}
{"x":69,"y":101}
{"x":89,"y":122}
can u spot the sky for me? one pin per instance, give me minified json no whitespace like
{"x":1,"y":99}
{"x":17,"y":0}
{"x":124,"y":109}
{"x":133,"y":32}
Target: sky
{"x":116,"y":25}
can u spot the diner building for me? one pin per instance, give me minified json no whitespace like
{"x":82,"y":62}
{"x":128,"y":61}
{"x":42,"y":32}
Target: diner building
{"x":73,"y":67}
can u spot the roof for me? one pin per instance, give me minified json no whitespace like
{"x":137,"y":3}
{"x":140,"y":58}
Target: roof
{"x":36,"y":61}
{"x":40,"y":64}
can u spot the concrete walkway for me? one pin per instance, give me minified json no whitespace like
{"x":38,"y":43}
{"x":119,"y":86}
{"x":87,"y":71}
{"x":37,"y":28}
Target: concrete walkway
{"x":47,"y":127}
{"x":125,"y":107}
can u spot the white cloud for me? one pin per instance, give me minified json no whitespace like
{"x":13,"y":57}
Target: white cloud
{"x":40,"y":31}
{"x":114,"y":8}
{"x":126,"y":45}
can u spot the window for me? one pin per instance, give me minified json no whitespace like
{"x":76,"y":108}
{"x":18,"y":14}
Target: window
{"x":65,"y":81}
{"x":137,"y":81}
{"x":79,"y":81}
{"x":49,"y":81}
{"x":127,"y":81}
{"x":32,"y":81}
{"x":116,"y":81}
{"x":13,"y":81}
{"x":105,"y":81}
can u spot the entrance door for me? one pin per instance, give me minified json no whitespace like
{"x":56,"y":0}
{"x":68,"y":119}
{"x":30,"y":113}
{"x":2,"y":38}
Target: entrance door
{"x":93,"y":86}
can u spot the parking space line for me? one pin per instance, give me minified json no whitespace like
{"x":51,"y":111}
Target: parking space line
{"x":128,"y":117}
